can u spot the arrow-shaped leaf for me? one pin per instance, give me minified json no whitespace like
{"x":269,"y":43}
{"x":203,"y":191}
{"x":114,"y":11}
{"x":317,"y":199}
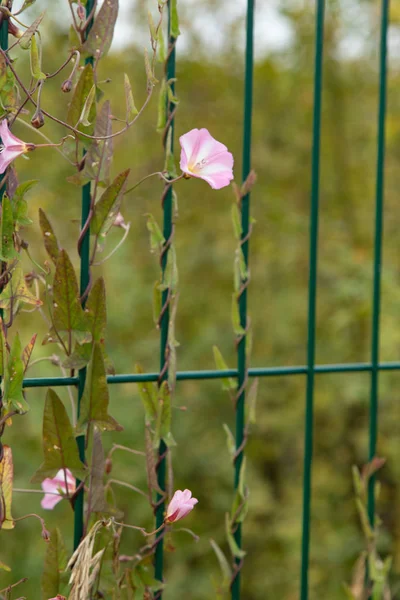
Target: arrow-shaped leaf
{"x":101,"y":34}
{"x":8,"y":251}
{"x":68,"y":315}
{"x":106,"y":208}
{"x":55,"y":563}
{"x":95,"y":399}
{"x":14,"y":375}
{"x":59,"y":445}
{"x":49,"y":238}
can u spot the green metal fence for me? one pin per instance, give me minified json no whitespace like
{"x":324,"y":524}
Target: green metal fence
{"x":243,"y":372}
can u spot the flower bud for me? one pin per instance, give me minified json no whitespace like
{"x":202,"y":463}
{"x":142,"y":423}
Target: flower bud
{"x":66,"y":86}
{"x":81,"y":12}
{"x":119,"y":221}
{"x":13,"y":30}
{"x":181,"y":505}
{"x":45,"y":534}
{"x":108,"y":466}
{"x":38,"y":119}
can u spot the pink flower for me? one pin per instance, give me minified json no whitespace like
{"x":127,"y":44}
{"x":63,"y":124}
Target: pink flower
{"x":11,"y":147}
{"x":203,"y":157}
{"x":55,"y":488}
{"x":181,"y":505}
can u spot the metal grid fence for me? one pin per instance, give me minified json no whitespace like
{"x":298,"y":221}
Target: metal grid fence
{"x":242,"y":373}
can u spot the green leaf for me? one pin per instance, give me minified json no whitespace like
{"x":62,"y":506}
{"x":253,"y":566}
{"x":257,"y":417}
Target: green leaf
{"x":236,"y":221}
{"x":169,"y":166}
{"x":26,"y":4}
{"x":55,"y":562}
{"x":4,"y":567}
{"x":162,"y":107}
{"x":172,"y":343}
{"x":99,"y":153}
{"x":157,"y":302}
{"x":96,"y":484}
{"x":49,"y":238}
{"x":3,"y":348}
{"x":157,"y":240}
{"x":366,"y":526}
{"x":151,"y":470}
{"x":251,"y":402}
{"x":161,"y":50}
{"x":107,"y":207}
{"x":59,"y":445}
{"x":227,"y":382}
{"x":8,"y":251}
{"x":164,"y":414}
{"x":240,"y":504}
{"x":96,"y":315}
{"x":20,"y":205}
{"x":230,"y":441}
{"x":36,"y":67}
{"x":148,"y":396}
{"x":170,"y":275}
{"x":8,"y":94}
{"x":234,"y":548}
{"x":87,"y":108}
{"x":73,"y":39}
{"x":14,"y":376}
{"x":95,"y":399}
{"x":152,"y":27}
{"x":6,"y":485}
{"x":174,"y":20}
{"x":16,"y":291}
{"x":131,"y":109}
{"x":68,"y":316}
{"x":101,"y":34}
{"x":81,"y":92}
{"x":27,"y":36}
{"x":223,"y":563}
{"x":237,"y":328}
{"x":151,"y":79}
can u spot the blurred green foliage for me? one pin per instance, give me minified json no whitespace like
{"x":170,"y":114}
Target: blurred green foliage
{"x":210,"y":91}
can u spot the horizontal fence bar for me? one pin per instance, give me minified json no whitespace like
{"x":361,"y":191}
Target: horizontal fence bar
{"x":193,"y":375}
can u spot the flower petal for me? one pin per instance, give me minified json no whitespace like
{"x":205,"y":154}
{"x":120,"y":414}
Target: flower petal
{"x":7,"y":138}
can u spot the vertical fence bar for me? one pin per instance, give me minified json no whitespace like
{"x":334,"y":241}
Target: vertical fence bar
{"x":164,"y":321}
{"x":245,"y":211}
{"x":376,"y":292}
{"x":84,"y":282}
{"x":312,"y":298}
{"x":3,"y":46}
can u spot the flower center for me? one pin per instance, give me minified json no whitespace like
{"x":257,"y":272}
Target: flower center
{"x":201,"y":164}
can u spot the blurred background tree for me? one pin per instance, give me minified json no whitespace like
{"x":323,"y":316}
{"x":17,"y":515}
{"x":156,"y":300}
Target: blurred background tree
{"x":210,"y":86}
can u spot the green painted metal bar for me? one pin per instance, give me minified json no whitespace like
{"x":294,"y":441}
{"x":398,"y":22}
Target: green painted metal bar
{"x":164,"y":323}
{"x":245,"y":213}
{"x":376,"y":293}
{"x":84,"y":282}
{"x":3,"y":46}
{"x":33,"y":382}
{"x":312,"y":298}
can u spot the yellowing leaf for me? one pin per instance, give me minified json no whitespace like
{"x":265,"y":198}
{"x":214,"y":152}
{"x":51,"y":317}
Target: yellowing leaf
{"x":6,"y":484}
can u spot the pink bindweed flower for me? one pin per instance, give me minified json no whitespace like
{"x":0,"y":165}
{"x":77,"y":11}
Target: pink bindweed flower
{"x":55,"y":488}
{"x":11,"y":147}
{"x":203,"y":157}
{"x":181,"y":505}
